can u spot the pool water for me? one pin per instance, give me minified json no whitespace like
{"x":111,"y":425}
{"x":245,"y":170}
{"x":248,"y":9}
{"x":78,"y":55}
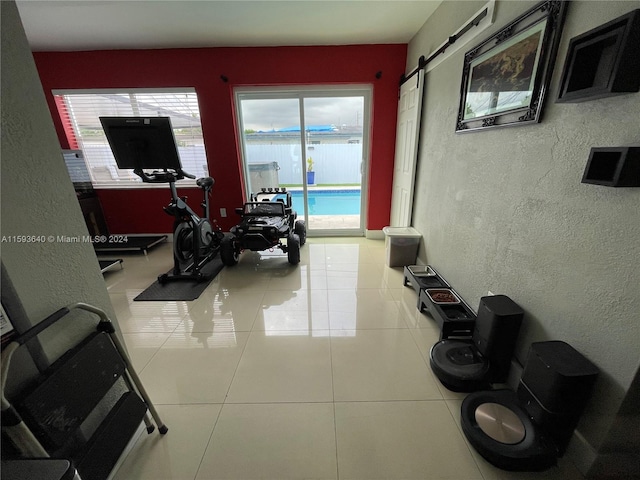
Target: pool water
{"x":328,"y":202}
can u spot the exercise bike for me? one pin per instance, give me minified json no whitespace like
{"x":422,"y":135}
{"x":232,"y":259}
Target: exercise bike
{"x":148,"y":143}
{"x":195,"y":241}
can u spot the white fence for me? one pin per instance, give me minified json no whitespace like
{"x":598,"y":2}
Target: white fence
{"x":333,"y":163}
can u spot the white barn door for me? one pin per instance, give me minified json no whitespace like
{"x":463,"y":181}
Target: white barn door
{"x":407,"y":133}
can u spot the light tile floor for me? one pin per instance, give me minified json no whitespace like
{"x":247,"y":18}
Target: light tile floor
{"x":280,"y":372}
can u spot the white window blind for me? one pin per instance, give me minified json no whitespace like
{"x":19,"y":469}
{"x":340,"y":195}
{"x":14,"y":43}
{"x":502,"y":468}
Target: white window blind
{"x":80,"y":112}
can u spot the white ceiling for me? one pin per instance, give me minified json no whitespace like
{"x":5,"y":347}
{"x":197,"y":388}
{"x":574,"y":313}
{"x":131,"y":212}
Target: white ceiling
{"x":57,"y":25}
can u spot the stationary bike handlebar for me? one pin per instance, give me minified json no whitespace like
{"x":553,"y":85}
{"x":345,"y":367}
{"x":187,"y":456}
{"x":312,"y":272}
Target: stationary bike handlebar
{"x":165,"y":176}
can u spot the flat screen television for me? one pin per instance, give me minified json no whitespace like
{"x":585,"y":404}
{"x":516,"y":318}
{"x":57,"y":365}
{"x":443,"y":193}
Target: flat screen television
{"x":142,"y":142}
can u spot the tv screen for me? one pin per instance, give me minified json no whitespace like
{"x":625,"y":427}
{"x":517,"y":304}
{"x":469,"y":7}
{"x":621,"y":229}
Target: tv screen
{"x":142,"y":142}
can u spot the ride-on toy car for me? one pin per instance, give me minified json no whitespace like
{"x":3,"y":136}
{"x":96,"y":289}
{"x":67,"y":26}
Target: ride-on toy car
{"x":265,"y":220}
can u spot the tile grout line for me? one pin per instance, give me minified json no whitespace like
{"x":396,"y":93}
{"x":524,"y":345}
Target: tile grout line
{"x":206,"y":447}
{"x":333,"y":403}
{"x":224,"y":401}
{"x":464,"y":439}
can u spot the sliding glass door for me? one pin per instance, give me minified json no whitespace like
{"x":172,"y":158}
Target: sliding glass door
{"x":315,"y":143}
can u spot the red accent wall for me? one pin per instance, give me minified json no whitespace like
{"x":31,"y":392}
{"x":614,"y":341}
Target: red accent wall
{"x":139,"y":210}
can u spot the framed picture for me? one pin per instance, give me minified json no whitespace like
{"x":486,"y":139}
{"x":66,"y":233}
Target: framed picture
{"x":505,"y":78}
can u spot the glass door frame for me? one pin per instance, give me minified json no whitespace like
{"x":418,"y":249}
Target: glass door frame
{"x":300,"y":93}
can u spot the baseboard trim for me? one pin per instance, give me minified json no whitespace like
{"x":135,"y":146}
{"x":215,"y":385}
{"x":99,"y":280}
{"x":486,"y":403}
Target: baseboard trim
{"x":374,"y":234}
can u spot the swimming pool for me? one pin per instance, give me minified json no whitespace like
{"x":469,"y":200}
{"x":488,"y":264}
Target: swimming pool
{"x":328,"y":202}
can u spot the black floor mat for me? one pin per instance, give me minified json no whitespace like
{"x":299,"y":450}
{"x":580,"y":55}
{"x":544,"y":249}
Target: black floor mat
{"x":124,"y":243}
{"x":181,"y":290}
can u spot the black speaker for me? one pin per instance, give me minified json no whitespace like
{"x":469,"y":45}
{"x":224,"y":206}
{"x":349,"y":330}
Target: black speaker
{"x":496,"y":331}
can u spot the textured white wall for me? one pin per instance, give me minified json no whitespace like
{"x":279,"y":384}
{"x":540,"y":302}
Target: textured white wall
{"x":38,"y":199}
{"x":504,"y":209}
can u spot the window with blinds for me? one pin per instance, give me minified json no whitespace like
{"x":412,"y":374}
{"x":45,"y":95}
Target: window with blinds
{"x":80,"y":112}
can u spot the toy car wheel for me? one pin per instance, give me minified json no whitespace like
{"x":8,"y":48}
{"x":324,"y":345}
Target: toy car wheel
{"x":300,"y":229}
{"x":228,"y":252}
{"x":293,"y":249}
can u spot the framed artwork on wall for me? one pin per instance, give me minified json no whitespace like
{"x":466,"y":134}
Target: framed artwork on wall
{"x":505,"y":78}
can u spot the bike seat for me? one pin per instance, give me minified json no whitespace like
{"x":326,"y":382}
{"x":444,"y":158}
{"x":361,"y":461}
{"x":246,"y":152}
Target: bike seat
{"x":205,"y":182}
